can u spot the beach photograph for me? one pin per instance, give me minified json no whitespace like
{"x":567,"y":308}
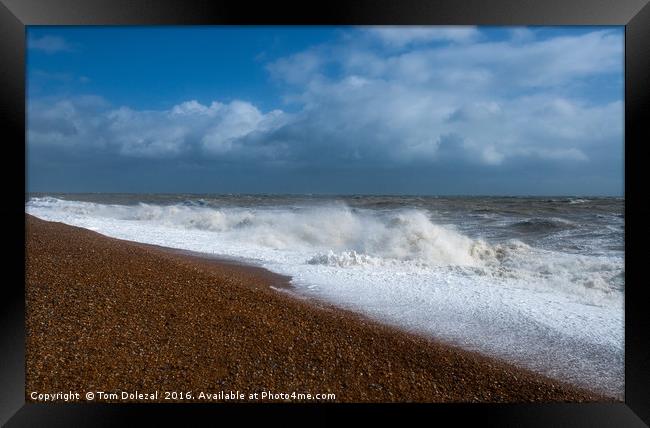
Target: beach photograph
{"x":325,"y":214}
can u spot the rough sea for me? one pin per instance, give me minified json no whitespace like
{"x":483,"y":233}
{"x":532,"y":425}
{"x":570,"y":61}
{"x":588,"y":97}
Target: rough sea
{"x":538,"y":281}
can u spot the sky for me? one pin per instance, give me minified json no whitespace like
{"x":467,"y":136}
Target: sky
{"x":326,"y":110}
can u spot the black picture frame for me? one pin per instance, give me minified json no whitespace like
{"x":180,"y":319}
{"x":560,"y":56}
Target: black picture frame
{"x":15,"y":15}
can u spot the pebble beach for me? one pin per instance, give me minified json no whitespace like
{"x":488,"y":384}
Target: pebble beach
{"x":110,"y":315}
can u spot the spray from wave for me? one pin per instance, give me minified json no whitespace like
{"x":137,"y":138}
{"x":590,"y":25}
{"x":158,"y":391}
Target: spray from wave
{"x":337,"y":235}
{"x":400,"y":235}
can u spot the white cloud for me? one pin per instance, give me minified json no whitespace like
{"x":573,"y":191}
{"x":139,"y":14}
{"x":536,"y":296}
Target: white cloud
{"x":402,"y":36}
{"x":215,"y":129}
{"x":509,"y":64}
{"x":501,"y":101}
{"x":295,"y":69}
{"x":49,"y":44}
{"x":238,"y":121}
{"x":399,"y":123}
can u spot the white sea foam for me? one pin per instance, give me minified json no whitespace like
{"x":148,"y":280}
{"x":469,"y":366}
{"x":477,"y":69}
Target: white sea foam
{"x":542,"y":308}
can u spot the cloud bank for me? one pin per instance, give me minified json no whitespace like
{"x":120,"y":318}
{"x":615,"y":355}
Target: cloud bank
{"x":379,"y":96}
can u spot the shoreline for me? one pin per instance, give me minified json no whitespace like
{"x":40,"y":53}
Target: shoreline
{"x":273,"y":279}
{"x":115,"y":315}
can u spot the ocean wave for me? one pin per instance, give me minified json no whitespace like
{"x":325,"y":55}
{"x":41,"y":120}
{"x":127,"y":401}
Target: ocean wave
{"x":530,"y":267}
{"x":407,"y":234}
{"x":543,"y":224}
{"x":336,"y":235}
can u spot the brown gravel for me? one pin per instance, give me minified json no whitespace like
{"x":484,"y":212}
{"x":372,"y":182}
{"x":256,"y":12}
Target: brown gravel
{"x":111,"y":315}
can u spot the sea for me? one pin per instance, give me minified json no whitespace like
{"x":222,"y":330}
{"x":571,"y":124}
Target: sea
{"x":537,"y":281}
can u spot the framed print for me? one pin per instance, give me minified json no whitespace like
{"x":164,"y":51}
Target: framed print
{"x":251,"y":209}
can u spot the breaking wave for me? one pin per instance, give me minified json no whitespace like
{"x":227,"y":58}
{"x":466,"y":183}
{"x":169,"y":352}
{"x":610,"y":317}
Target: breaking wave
{"x":336,"y":235}
{"x":400,"y":235}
